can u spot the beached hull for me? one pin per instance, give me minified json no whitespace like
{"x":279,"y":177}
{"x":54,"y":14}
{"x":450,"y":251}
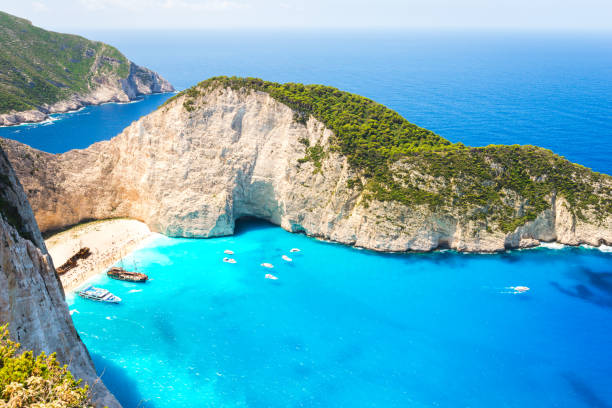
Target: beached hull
{"x":128,"y":278}
{"x":123,"y":275}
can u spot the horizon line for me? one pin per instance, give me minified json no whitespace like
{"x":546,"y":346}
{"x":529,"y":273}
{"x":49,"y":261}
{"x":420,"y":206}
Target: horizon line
{"x":351,"y":29}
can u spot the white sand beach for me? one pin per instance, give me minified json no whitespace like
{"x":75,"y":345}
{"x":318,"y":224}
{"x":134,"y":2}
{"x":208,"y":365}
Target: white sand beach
{"x":108,"y":240}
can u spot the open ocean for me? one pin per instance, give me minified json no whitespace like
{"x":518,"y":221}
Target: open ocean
{"x":348,"y":328}
{"x":479,"y":88}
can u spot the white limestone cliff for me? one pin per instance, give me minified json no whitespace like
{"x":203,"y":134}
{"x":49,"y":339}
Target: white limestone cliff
{"x":193,"y":172}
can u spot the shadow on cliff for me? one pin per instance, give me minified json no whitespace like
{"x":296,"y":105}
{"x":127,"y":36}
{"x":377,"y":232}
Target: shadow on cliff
{"x":245,"y":225}
{"x":117,"y":381}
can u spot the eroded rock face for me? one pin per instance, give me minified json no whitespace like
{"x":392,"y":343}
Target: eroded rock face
{"x":193,"y":172}
{"x":140,"y":81}
{"x":31,"y":297}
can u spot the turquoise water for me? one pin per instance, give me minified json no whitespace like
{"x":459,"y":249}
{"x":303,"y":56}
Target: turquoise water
{"x":349,"y":328}
{"x":343,"y":327}
{"x":548,"y":89}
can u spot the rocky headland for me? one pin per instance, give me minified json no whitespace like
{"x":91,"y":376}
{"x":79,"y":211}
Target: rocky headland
{"x":319,"y":161}
{"x":109,"y":88}
{"x":46,"y":72}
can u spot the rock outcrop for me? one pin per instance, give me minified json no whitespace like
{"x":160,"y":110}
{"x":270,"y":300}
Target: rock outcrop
{"x":45,"y":72}
{"x":140,"y":81}
{"x":194,"y":166}
{"x":31,"y":297}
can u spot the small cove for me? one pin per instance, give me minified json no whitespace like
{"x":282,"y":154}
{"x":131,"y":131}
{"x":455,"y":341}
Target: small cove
{"x":347,"y":327}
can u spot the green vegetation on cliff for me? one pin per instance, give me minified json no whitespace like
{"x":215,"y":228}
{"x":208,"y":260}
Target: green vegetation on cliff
{"x":29,"y":381}
{"x":368,"y":133}
{"x":399,"y":161}
{"x":485,"y":183}
{"x":42,"y":67}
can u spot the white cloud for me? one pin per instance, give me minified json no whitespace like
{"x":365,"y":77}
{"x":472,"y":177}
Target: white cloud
{"x":178,"y":5}
{"x":295,"y":6}
{"x":204,"y":5}
{"x":39,"y":7}
{"x":96,"y":5}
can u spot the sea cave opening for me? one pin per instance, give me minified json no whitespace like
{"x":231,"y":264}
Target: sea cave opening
{"x":248,"y":223}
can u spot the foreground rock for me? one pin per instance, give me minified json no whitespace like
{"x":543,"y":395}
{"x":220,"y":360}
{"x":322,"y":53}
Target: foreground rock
{"x":31,"y":297}
{"x":194,"y":166}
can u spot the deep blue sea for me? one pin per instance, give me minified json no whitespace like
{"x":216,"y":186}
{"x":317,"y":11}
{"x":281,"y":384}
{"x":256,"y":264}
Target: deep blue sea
{"x":549,"y":89}
{"x":348,"y":328}
{"x":80,"y":129}
{"x":343,"y":327}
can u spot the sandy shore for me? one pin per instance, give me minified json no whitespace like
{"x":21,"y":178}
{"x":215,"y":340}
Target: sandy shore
{"x":108,"y":240}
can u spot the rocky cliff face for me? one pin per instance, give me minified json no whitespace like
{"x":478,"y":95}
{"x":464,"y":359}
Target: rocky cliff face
{"x":192,"y":170}
{"x":31,"y":298}
{"x":108,"y":88}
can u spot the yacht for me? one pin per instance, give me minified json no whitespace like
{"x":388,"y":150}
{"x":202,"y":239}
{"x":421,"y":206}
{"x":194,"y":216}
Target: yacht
{"x":99,"y":294}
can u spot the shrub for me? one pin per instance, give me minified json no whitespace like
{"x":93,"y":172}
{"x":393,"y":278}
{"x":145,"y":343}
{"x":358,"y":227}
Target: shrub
{"x":38,"y":382}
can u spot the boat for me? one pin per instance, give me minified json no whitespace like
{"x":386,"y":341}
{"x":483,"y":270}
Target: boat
{"x":267,"y":265}
{"x":519,"y":289}
{"x":286,"y":258}
{"x":295,"y":250}
{"x":228,"y":252}
{"x":121,"y":274}
{"x":270,"y":276}
{"x":99,"y":295}
{"x":229,"y":260}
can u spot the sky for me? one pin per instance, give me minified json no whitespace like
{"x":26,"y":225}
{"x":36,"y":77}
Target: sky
{"x":66,"y":15}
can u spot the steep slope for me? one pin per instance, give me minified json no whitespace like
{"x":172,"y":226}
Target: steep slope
{"x":43,"y":72}
{"x":31,"y":298}
{"x":320,"y":161}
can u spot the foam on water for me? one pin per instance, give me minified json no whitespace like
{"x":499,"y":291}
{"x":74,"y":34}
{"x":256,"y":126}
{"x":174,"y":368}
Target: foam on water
{"x":342,"y":327}
{"x":558,"y":246}
{"x":552,"y":245}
